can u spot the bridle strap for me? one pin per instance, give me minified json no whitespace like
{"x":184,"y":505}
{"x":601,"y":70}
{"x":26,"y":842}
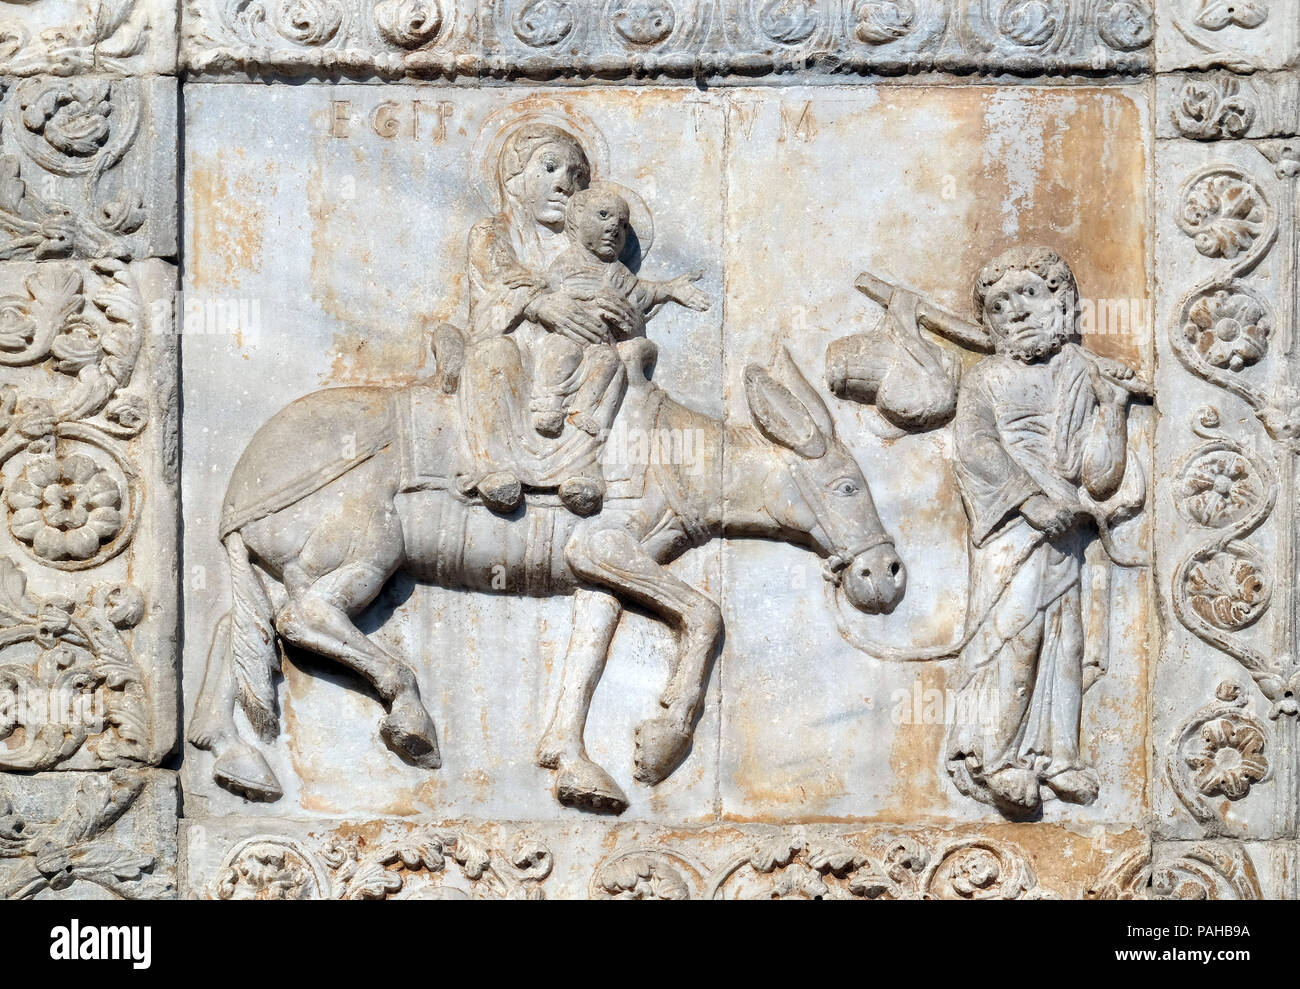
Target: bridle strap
{"x":833,"y":566}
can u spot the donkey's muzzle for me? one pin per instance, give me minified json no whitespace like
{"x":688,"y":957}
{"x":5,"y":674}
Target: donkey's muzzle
{"x":875,"y":580}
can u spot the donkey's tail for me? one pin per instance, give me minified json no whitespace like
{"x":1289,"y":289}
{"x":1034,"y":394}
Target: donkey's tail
{"x":252,"y":641}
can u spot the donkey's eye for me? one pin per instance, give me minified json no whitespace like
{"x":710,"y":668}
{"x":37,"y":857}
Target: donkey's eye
{"x":845,"y":486}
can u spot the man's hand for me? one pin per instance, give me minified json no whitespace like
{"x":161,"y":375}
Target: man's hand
{"x":1050,"y":517}
{"x":1105,"y":374}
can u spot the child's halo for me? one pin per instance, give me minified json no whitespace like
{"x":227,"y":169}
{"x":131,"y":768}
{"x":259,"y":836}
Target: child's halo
{"x":641,"y":224}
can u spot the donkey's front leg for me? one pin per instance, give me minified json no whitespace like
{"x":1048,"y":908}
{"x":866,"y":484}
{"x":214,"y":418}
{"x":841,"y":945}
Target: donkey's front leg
{"x":579,"y":782}
{"x":613,"y":558}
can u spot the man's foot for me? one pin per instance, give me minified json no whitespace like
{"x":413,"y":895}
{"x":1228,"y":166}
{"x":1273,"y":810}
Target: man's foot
{"x":582,"y":495}
{"x":501,"y":491}
{"x":549,"y":422}
{"x":1074,"y":786}
{"x":1015,"y":788}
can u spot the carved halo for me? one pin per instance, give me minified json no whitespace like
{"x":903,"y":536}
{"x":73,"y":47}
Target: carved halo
{"x":501,"y":123}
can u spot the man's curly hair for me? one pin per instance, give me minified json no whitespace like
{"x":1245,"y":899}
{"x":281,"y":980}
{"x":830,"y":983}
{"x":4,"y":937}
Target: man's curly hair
{"x":1042,"y":261}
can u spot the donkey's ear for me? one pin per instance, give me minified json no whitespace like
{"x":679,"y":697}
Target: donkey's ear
{"x":786,"y":371}
{"x":780,"y":416}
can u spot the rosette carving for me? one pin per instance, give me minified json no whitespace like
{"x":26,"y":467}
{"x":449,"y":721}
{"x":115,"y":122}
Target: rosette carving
{"x":72,"y":492}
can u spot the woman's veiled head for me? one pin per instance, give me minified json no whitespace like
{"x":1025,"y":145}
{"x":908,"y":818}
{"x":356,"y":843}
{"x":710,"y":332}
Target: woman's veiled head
{"x":542,"y":166}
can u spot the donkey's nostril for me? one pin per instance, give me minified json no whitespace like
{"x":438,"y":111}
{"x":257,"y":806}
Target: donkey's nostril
{"x":893,"y":568}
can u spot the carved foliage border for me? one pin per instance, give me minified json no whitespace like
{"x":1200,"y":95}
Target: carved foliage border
{"x":1231,"y":331}
{"x":635,"y":39}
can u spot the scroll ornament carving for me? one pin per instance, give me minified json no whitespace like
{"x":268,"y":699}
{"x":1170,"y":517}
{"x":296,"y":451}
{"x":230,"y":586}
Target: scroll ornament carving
{"x":79,"y":129}
{"x":788,"y":22}
{"x":1218,"y":487}
{"x":74,"y":846}
{"x":68,"y":679}
{"x":795,"y":865}
{"x":1207,"y":109}
{"x":72,"y":500}
{"x":1196,"y":871}
{"x":1126,"y":25}
{"x":1215,"y":15}
{"x":408,"y":23}
{"x":1221,"y":751}
{"x":1223,"y":333}
{"x":542,"y":23}
{"x":375,"y":35}
{"x":643,"y":22}
{"x":1224,"y":213}
{"x":1030,"y":22}
{"x":1224,"y":586}
{"x":544,"y":39}
{"x":1208,"y":25}
{"x":878,"y":22}
{"x":304,"y":22}
{"x":417,"y":866}
{"x":110,"y":41}
{"x":1229,"y":327}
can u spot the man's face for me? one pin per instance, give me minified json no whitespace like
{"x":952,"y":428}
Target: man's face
{"x":602,"y":227}
{"x":1024,"y":316}
{"x":552,"y":176}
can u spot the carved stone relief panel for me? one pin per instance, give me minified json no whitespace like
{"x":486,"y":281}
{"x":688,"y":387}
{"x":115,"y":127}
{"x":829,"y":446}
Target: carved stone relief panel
{"x":870,"y":730}
{"x":74,"y":37}
{"x":679,"y":449}
{"x":87,"y":167}
{"x":89,"y":465}
{"x":1226,"y":259}
{"x":465,"y":860}
{"x":1242,"y":35}
{"x":282,"y":243}
{"x":108,"y":835}
{"x":544,"y":653}
{"x":668,"y":40}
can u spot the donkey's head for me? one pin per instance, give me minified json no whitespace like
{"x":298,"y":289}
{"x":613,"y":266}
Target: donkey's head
{"x":818,"y":489}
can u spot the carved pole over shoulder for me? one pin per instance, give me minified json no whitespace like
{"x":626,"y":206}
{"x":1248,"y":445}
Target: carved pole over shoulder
{"x":934,"y":318}
{"x":952,"y":327}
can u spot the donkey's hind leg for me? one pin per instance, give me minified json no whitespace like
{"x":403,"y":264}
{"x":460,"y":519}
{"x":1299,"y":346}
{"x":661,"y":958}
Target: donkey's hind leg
{"x":237,"y":766}
{"x":317,"y":618}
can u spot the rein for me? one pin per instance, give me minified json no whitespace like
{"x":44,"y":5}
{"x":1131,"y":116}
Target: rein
{"x":835,"y":563}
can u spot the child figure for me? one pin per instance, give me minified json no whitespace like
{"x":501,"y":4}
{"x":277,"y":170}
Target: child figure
{"x":596,"y":224}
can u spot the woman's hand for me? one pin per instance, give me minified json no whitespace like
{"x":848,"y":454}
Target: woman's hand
{"x":562,"y":313}
{"x":615,"y":310}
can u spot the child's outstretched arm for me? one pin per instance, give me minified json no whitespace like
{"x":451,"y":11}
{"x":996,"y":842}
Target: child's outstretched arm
{"x":681,"y":290}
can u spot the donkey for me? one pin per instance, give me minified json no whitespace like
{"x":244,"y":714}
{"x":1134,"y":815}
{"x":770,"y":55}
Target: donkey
{"x":308,"y":553}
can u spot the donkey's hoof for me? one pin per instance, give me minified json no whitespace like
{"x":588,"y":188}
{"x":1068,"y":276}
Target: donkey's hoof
{"x":660,"y":748}
{"x":243,"y":771}
{"x":408,"y":730}
{"x":585,"y":785}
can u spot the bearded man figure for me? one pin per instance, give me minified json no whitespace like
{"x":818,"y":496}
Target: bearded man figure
{"x":1040,"y":438}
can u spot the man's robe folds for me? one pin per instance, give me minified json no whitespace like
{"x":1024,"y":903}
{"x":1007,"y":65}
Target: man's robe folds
{"x":1021,"y":430}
